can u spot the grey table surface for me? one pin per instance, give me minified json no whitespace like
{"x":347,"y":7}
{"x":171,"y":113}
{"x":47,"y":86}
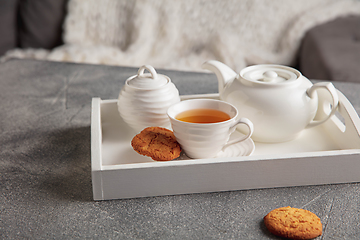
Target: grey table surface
{"x":45,"y":171}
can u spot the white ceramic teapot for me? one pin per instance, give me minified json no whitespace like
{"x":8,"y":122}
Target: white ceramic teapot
{"x":278,"y":99}
{"x":145,"y":98}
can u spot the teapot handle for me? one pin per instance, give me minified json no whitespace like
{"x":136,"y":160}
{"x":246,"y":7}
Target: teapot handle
{"x":150,"y":69}
{"x":335,"y":100}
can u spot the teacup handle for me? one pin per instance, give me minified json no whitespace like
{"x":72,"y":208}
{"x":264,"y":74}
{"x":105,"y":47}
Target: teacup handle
{"x":150,"y":69}
{"x":248,"y":123}
{"x":335,"y":100}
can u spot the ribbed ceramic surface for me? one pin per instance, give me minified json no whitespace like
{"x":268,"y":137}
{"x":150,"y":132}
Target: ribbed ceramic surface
{"x":245,"y":148}
{"x":141,"y":108}
{"x":202,"y":141}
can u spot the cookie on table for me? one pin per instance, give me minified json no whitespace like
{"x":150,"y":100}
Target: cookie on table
{"x":158,"y":143}
{"x":294,"y":223}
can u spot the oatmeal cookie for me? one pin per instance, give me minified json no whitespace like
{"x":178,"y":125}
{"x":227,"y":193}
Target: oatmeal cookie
{"x":158,"y":143}
{"x":293,"y":223}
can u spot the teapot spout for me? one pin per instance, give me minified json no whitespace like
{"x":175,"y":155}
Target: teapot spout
{"x":223,"y":73}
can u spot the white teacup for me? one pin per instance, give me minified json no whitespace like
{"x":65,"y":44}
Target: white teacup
{"x":206,"y":140}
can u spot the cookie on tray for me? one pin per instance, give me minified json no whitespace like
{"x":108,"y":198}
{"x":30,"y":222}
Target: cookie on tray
{"x":293,"y":223}
{"x":158,"y":143}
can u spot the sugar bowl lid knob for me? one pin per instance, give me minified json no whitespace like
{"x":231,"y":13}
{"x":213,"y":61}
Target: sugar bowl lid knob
{"x":147,"y":80}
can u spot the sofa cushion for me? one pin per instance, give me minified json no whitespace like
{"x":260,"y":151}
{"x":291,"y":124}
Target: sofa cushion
{"x":331,"y":51}
{"x":40,"y":23}
{"x":8,"y":9}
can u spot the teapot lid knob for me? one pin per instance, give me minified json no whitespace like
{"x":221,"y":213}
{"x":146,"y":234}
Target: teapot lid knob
{"x":270,"y":76}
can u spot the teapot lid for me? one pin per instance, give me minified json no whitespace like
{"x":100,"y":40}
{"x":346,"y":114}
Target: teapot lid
{"x":147,"y":80}
{"x":270,"y":74}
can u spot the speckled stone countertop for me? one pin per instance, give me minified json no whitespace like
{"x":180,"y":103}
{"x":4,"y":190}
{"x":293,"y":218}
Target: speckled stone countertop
{"x":45,"y":170}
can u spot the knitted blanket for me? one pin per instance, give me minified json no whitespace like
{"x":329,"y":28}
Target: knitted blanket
{"x":183,"y":34}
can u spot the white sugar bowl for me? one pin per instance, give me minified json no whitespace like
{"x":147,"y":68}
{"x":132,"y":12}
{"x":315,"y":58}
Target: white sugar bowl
{"x":144,"y":99}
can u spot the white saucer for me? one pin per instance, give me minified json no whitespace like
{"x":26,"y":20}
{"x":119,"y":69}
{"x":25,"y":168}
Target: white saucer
{"x":245,"y":148}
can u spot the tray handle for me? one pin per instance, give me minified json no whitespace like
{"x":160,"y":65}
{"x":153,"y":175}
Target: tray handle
{"x":344,"y":125}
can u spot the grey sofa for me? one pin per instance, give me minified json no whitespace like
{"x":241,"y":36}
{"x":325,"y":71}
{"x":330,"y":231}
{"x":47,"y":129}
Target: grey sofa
{"x":31,"y":23}
{"x":331,"y":51}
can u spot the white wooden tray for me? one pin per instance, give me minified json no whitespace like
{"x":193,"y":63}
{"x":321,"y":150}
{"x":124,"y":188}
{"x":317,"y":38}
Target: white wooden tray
{"x":329,"y":153}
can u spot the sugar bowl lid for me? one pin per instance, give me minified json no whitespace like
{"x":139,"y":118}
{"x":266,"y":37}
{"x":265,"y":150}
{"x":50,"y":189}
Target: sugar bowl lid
{"x":147,"y":80}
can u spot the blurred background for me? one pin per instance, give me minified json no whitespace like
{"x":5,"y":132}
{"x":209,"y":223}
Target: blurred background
{"x":319,"y":37}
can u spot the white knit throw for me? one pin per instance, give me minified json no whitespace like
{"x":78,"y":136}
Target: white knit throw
{"x":184,"y":34}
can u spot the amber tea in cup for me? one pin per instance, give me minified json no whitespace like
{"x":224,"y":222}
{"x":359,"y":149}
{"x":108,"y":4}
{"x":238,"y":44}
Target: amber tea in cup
{"x":203,"y":115}
{"x":203,"y":126}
